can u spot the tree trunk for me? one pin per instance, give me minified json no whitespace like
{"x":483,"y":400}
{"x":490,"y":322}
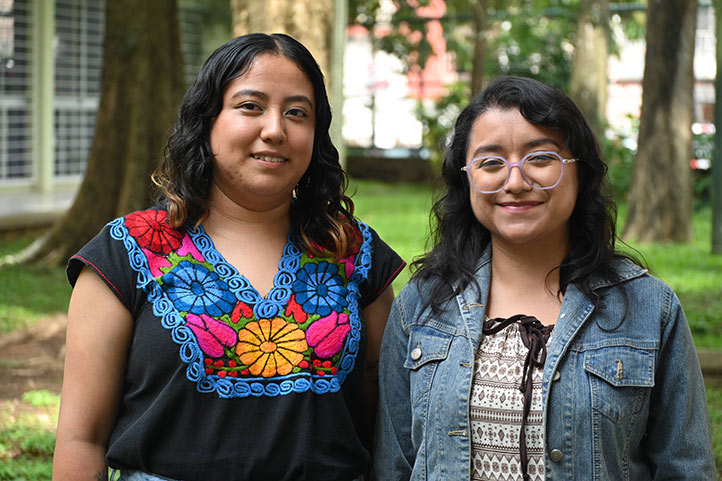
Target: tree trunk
{"x":717,"y":159}
{"x":660,"y":200}
{"x":588,"y":84}
{"x":141,"y":86}
{"x":480,"y":27}
{"x":308,"y":21}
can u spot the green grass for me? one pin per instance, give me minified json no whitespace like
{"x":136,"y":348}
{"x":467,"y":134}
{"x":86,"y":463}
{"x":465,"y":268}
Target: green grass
{"x":27,"y":436}
{"x":28,"y":293}
{"x":399,"y":213}
{"x":714,"y":401}
{"x":696,"y":276}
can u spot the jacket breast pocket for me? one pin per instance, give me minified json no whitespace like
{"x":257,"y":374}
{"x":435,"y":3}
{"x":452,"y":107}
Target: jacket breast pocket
{"x":621,"y":378}
{"x":427,"y":348}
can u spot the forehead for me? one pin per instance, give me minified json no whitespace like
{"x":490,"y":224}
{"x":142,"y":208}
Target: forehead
{"x":499,"y":130}
{"x":273,"y":73}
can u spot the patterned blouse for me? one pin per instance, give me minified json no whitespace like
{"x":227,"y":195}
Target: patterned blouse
{"x":496,"y":408}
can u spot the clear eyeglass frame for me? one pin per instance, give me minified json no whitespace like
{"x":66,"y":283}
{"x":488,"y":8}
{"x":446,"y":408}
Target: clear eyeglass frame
{"x":510,"y":165}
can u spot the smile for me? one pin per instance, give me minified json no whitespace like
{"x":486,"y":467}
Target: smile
{"x":266,"y":158}
{"x":519,"y":204}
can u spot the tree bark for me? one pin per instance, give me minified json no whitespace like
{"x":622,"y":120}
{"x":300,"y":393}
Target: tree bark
{"x":141,"y":86}
{"x":660,"y":200}
{"x":308,"y":21}
{"x":717,"y":164}
{"x":480,"y":26}
{"x":588,"y":83}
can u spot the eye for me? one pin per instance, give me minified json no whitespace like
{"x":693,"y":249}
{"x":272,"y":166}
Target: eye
{"x":297,"y":112}
{"x":249,"y":107}
{"x":489,"y":163}
{"x":542,"y":158}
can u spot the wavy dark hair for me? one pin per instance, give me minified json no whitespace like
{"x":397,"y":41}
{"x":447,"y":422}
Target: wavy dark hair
{"x":459,"y":239}
{"x":321,"y":213}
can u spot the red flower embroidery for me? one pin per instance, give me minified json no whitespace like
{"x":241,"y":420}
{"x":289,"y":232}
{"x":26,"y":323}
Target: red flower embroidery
{"x":151,"y":231}
{"x":293,"y":308}
{"x":241,"y":310}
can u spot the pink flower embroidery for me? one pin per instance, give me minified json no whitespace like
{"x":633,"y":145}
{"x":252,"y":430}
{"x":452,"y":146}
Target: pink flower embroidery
{"x":155,"y":262}
{"x":188,"y":247}
{"x":348,"y":264}
{"x":328,"y":334}
{"x":212,"y":334}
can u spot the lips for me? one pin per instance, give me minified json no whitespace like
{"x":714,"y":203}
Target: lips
{"x":269,"y":158}
{"x":528,"y":203}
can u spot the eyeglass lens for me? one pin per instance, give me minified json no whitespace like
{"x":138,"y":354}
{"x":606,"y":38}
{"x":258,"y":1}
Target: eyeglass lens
{"x":540,"y":170}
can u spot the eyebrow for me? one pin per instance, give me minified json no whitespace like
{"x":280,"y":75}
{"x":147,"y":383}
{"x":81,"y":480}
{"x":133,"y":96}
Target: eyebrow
{"x":263,"y":95}
{"x":483,"y":149}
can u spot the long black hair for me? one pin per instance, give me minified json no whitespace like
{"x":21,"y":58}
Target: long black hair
{"x":321,"y":213}
{"x":459,"y":239}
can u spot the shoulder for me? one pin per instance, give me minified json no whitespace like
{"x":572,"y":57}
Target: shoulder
{"x":639,"y":280}
{"x":414,"y":298}
{"x":645,"y":293}
{"x":369,"y":246}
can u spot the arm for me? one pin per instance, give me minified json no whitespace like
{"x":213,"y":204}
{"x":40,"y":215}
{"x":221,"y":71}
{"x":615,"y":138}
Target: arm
{"x":678,"y":442}
{"x":97,"y":340}
{"x":394,"y":453}
{"x":375,"y":315}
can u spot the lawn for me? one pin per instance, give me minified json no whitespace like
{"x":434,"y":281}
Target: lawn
{"x":400,"y":214}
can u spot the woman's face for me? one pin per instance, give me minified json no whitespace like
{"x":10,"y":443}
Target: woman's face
{"x":519,"y":214}
{"x":262,"y":139}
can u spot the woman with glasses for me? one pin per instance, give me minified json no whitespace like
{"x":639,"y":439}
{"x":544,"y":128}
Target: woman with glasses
{"x":526,"y":347}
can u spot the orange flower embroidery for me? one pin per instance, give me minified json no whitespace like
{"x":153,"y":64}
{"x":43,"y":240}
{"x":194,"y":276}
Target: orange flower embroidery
{"x":271,"y":347}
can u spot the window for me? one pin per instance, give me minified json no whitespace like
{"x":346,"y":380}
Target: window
{"x":15,"y":78}
{"x":79,"y":28}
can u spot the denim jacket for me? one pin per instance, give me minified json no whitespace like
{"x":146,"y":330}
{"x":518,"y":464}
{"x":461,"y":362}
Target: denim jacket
{"x":621,"y":400}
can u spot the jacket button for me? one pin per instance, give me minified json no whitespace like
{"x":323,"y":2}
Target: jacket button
{"x":556,"y":455}
{"x":416,"y":353}
{"x":556,"y":376}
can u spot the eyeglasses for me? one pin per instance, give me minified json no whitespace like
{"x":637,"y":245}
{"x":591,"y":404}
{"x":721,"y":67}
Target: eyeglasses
{"x":541,"y":170}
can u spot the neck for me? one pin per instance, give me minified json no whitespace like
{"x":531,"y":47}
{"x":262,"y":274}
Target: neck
{"x":226,"y":217}
{"x":533,"y":263}
{"x":524,"y":280}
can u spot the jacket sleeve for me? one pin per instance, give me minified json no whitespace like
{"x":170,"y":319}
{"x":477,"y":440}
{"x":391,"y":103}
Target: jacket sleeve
{"x":678,"y":442}
{"x":394,"y":453}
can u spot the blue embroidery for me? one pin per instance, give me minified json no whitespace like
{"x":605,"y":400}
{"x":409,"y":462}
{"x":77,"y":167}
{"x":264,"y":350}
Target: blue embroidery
{"x":211,"y":286}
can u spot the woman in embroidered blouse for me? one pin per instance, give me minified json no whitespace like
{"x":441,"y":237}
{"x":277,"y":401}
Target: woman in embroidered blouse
{"x":232,"y":331}
{"x":525,"y":346}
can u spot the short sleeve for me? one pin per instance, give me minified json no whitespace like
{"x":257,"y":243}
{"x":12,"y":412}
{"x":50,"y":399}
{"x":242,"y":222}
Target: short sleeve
{"x":108,"y":258}
{"x":386,"y":265}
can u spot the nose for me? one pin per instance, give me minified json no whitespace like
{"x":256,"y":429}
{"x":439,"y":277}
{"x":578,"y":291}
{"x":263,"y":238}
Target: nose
{"x":274,"y":129}
{"x":516,"y":182}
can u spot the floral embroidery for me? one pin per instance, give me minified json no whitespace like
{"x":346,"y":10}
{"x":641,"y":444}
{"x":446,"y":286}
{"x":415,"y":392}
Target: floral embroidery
{"x":242,"y":310}
{"x":319,"y":288}
{"x":304,"y":335}
{"x":151,"y":230}
{"x":194,"y":288}
{"x":212,"y":334}
{"x":271,"y":347}
{"x":293,"y":309}
{"x":327,"y":335}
